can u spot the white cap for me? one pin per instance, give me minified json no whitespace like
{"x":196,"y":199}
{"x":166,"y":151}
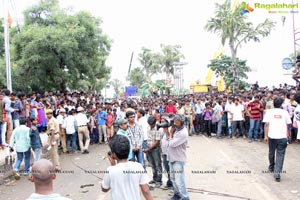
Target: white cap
{"x":62,"y":110}
{"x":79,"y":109}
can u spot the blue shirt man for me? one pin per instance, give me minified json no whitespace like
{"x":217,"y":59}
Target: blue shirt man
{"x":101,"y":117}
{"x":123,"y":124}
{"x":20,"y":137}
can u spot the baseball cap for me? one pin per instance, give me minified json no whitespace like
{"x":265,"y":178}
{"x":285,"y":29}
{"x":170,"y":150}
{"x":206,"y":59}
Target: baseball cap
{"x":122,"y":121}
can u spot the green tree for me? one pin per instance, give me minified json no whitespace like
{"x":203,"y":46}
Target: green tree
{"x":2,"y":50}
{"x":170,"y":56}
{"x":222,"y":67}
{"x":149,"y":86}
{"x":2,"y":63}
{"x":150,"y":62}
{"x":137,"y":77}
{"x":118,"y":86}
{"x":3,"y":74}
{"x":233,"y":28}
{"x":56,"y":49}
{"x":161,"y":86}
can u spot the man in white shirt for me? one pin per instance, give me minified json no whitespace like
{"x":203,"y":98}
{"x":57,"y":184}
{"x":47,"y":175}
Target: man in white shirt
{"x":60,"y":119}
{"x":124,"y":178}
{"x":82,"y":124}
{"x":142,"y":120}
{"x":276,"y":121}
{"x":229,"y":116}
{"x":218,"y":113}
{"x":237,"y":112}
{"x":121,"y":113}
{"x":69,"y":125}
{"x":198,"y":112}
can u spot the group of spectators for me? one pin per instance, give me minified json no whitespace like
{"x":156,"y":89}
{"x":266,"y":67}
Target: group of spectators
{"x":156,"y":127}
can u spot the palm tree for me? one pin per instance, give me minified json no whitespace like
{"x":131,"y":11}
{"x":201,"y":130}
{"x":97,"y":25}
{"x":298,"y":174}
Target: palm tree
{"x":118,"y":86}
{"x":171,"y":55}
{"x":232,"y":27}
{"x":150,"y":62}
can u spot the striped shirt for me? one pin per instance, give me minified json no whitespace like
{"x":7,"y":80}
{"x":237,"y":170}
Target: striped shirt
{"x":153,"y":135}
{"x":136,"y":135}
{"x":255,"y":109}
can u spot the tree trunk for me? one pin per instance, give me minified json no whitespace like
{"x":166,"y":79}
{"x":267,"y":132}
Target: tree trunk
{"x":234,"y":69}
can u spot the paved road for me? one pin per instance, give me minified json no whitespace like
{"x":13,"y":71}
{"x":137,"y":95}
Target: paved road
{"x":216,"y":169}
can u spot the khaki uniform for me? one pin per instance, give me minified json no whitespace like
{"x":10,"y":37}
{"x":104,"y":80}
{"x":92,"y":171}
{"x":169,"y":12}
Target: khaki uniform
{"x":53,"y":125}
{"x":83,"y":131}
{"x":62,"y":134}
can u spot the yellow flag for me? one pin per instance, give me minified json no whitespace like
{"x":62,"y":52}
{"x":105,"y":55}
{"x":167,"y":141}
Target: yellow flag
{"x":234,"y":5}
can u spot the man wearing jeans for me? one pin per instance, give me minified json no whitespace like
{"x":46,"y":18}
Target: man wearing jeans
{"x":136,"y":136}
{"x":177,"y":143}
{"x":35,"y":139}
{"x":69,"y":126}
{"x":153,"y":151}
{"x":164,"y":150}
{"x":276,"y":133}
{"x":198,"y":112}
{"x":101,"y":121}
{"x":20,"y":136}
{"x":255,"y":109}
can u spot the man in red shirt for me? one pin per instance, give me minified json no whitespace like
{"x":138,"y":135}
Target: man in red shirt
{"x":255,"y":109}
{"x":109,"y":124}
{"x":170,"y":108}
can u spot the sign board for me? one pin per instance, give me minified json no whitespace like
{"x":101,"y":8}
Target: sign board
{"x":287,"y":63}
{"x":130,"y":90}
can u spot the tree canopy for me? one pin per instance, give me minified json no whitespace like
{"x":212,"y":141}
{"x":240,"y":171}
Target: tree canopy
{"x":56,"y":49}
{"x":152,"y":63}
{"x":171,"y":55}
{"x":118,"y":86}
{"x":222,"y":67}
{"x":137,"y":77}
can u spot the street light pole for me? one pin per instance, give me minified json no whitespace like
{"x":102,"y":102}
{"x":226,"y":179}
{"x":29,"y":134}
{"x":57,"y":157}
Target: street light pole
{"x":295,"y":32}
{"x":6,"y":44}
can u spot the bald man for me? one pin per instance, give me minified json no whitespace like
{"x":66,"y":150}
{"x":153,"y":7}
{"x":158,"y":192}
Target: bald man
{"x":42,"y":176}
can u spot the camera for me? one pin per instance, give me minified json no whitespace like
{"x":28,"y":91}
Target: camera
{"x":169,"y":121}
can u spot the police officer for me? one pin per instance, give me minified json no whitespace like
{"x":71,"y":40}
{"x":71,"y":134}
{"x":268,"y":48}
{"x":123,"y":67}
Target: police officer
{"x":53,"y":138}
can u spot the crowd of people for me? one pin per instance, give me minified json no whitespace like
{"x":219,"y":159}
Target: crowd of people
{"x":157,"y":128}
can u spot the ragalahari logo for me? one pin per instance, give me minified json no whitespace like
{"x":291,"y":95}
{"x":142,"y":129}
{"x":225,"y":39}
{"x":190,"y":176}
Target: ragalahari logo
{"x":245,"y":8}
